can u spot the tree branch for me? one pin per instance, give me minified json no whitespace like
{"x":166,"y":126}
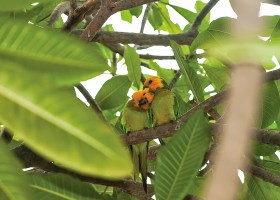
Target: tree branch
{"x":108,"y":37}
{"x":264,"y":175}
{"x":59,"y":9}
{"x":80,"y":13}
{"x":107,"y":9}
{"x":89,"y":99}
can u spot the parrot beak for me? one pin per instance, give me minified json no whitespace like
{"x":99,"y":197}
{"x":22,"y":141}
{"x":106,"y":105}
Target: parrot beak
{"x":143,"y":101}
{"x":145,"y":86}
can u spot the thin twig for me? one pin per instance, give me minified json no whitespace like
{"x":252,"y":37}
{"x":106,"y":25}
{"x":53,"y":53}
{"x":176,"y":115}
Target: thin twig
{"x":59,"y":9}
{"x":145,"y":17}
{"x":89,"y":98}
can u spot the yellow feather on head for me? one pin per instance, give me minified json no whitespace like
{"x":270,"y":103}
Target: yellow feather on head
{"x":143,"y":98}
{"x":153,"y":83}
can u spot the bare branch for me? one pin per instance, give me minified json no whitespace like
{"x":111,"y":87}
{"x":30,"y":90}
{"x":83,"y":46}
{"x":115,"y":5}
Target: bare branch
{"x":107,"y":9}
{"x":59,"y":9}
{"x":89,"y":99}
{"x":80,"y":13}
{"x":145,"y":17}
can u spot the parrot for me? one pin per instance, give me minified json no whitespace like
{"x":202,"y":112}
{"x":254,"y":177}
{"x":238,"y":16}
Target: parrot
{"x":135,"y":116}
{"x":163,"y":102}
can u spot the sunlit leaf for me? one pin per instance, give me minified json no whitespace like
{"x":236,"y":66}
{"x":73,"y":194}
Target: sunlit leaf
{"x":167,"y":25}
{"x":155,"y":17}
{"x":126,"y":16}
{"x":133,"y":62}
{"x":55,"y":57}
{"x":113,"y":93}
{"x":218,"y":30}
{"x":180,"y":160}
{"x":55,"y":124}
{"x":61,"y":187}
{"x":12,"y":5}
{"x":187,"y":14}
{"x":13,"y":182}
{"x":188,"y":72}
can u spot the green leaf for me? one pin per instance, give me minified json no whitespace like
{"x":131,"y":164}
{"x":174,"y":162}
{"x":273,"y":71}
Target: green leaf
{"x":187,"y":14}
{"x":217,"y":73}
{"x":166,"y":74}
{"x":58,"y":126}
{"x":272,"y":166}
{"x":167,"y":25}
{"x":113,"y":93}
{"x":259,"y":189}
{"x":43,"y":10}
{"x":136,"y":11}
{"x":270,"y":105}
{"x":180,"y":160}
{"x":218,"y":30}
{"x":133,"y":62}
{"x":55,"y":57}
{"x":13,"y":5}
{"x":188,"y":72}
{"x":13,"y":182}
{"x":155,"y":17}
{"x":126,"y":16}
{"x":261,"y":149}
{"x":61,"y":187}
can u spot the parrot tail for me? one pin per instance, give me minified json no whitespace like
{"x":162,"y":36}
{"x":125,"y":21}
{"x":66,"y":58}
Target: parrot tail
{"x":143,"y":168}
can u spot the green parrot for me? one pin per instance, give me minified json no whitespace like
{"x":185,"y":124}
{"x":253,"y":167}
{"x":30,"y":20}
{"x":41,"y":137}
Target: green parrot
{"x":163,"y":102}
{"x":135,"y":116}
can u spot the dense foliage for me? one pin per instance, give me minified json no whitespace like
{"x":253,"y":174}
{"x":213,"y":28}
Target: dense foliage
{"x":82,"y":146}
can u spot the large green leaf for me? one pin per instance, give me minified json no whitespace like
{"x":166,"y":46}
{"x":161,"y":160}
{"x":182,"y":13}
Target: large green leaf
{"x":133,"y":62}
{"x":13,"y":5}
{"x":272,"y":166}
{"x":113,"y":93}
{"x":180,"y":160}
{"x":55,"y":124}
{"x":61,"y":187}
{"x":270,"y":105}
{"x":259,"y":189}
{"x":218,"y":30}
{"x":13,"y":182}
{"x":55,"y":57}
{"x":188,"y":72}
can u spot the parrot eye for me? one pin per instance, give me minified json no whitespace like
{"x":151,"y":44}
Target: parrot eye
{"x":150,"y":81}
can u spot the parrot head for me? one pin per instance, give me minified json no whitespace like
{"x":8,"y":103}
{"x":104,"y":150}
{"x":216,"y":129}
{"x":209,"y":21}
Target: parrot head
{"x":153,"y":83}
{"x":143,"y":98}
